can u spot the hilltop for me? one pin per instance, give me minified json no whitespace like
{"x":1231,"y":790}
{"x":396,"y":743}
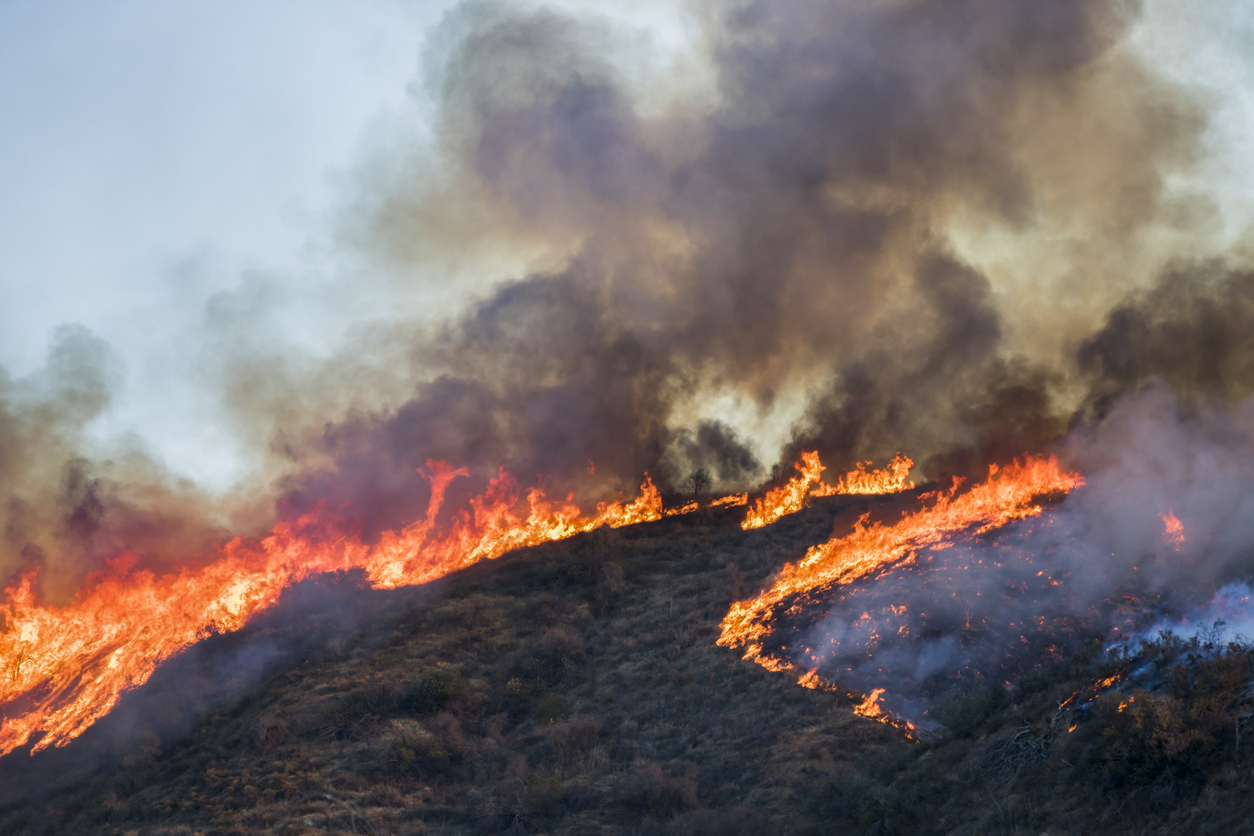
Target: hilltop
{"x":576,"y":688}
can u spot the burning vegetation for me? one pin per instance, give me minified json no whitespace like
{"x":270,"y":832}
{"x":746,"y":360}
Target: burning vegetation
{"x":859,"y":233}
{"x":67,"y":666}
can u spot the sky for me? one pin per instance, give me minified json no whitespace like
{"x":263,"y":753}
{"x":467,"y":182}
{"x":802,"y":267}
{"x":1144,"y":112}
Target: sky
{"x":155,"y":156}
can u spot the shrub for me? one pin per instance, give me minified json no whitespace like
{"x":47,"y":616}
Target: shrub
{"x":434,"y":751}
{"x":271,"y":731}
{"x":660,"y":795}
{"x":728,"y":821}
{"x":439,"y":690}
{"x":571,"y":738}
{"x":548,"y":706}
{"x":963,"y":715}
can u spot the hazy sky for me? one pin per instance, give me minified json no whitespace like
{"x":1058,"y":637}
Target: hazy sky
{"x":153,"y":154}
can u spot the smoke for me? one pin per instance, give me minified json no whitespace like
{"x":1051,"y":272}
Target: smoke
{"x":68,"y":502}
{"x":804,"y":229}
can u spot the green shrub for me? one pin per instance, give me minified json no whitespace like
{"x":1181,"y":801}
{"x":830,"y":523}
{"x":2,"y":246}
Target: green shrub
{"x":438,"y":691}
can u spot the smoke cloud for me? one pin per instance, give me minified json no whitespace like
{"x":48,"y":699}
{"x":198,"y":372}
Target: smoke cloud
{"x":805,"y":229}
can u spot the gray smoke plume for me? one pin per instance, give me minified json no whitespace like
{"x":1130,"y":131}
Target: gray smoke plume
{"x":793,"y":233}
{"x":65,"y":507}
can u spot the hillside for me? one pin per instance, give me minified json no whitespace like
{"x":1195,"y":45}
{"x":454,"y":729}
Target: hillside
{"x":576,"y":688}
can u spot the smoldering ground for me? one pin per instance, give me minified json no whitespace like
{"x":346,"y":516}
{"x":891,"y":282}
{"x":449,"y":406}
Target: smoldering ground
{"x":1100,"y":565}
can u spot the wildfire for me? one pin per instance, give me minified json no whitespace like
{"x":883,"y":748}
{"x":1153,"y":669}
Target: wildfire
{"x":1173,"y":530}
{"x":1009,"y":494}
{"x":791,"y":496}
{"x":63,"y":668}
{"x":869,"y":707}
{"x":894,"y":477}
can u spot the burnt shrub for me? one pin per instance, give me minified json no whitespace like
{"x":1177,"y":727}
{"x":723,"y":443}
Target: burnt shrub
{"x":438,"y":691}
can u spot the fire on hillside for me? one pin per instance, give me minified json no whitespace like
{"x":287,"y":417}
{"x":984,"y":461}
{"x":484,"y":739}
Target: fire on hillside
{"x":66,"y":667}
{"x":978,"y":589}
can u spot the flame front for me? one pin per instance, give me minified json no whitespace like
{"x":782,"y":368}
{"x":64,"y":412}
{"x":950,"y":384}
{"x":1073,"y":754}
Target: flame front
{"x":790,"y":497}
{"x":1173,"y":530}
{"x":63,"y":668}
{"x":1009,"y":494}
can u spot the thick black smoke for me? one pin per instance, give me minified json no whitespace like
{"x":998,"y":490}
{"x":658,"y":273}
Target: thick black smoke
{"x":790,"y":232}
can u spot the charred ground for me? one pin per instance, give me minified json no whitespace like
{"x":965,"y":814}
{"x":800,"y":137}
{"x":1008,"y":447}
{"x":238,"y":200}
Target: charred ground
{"x":576,"y":688}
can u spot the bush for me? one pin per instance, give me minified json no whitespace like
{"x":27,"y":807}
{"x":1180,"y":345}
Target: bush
{"x":729,"y":821}
{"x":963,"y":715}
{"x":660,"y":795}
{"x":571,"y":738}
{"x":434,"y":751}
{"x":438,"y":691}
{"x":1182,"y":722}
{"x":271,"y":731}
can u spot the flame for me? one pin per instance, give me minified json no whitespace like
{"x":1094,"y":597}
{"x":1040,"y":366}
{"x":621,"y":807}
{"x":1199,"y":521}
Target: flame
{"x":1173,"y":529}
{"x":731,"y":500}
{"x":791,"y":496}
{"x":63,"y":668}
{"x":893,"y":478}
{"x":1009,"y":494}
{"x":870,"y":707}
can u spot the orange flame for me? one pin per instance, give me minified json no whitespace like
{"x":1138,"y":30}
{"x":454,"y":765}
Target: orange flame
{"x":791,"y":497}
{"x":870,"y":706}
{"x":731,"y":500}
{"x":63,"y":668}
{"x":1173,"y":530}
{"x":1009,"y":494}
{"x":895,"y":477}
